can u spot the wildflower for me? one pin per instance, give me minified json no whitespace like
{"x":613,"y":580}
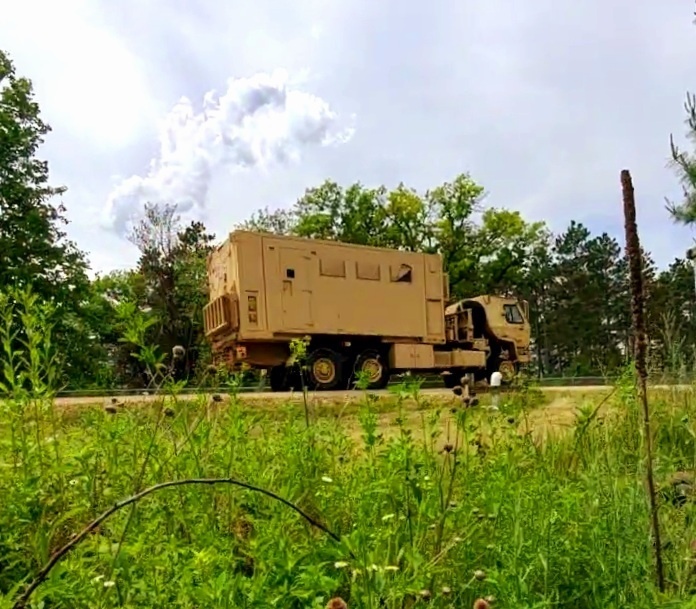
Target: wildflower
{"x":336,"y":603}
{"x":480,"y":575}
{"x":327,"y":479}
{"x":481,"y":603}
{"x":446,"y":590}
{"x":341,"y":564}
{"x":425,"y":595}
{"x":109,"y":584}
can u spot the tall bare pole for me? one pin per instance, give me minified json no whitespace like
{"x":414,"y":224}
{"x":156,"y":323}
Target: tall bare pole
{"x":635,"y":263}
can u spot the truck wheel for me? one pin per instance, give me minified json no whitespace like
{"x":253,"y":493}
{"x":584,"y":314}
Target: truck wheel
{"x":508,"y":370}
{"x":324,"y":369}
{"x":373,"y":366}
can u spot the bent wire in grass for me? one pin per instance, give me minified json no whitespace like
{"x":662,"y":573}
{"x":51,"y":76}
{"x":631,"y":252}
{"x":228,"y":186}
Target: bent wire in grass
{"x":74,"y":541}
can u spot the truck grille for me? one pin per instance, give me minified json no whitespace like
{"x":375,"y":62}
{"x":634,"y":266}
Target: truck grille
{"x":219,"y":316}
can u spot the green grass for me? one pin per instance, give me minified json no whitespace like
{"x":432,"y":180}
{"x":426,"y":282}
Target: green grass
{"x":559,"y":524}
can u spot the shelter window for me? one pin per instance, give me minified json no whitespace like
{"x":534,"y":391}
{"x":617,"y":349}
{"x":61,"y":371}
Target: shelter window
{"x":332,"y":267}
{"x":401,"y":274}
{"x":512,"y":314}
{"x":367,"y":270}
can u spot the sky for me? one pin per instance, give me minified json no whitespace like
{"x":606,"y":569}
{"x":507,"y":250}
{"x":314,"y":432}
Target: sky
{"x":232,"y":107}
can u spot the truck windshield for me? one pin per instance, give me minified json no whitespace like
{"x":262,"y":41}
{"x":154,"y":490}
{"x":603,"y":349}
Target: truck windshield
{"x":512,"y":314}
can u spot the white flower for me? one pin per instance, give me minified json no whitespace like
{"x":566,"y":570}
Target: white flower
{"x":109,"y":584}
{"x":341,"y":564}
{"x":327,"y":479}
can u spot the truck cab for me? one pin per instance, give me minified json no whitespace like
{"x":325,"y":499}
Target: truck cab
{"x":495,"y":324}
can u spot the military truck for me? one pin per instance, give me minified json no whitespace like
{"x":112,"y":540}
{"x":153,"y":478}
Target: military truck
{"x":367,"y":311}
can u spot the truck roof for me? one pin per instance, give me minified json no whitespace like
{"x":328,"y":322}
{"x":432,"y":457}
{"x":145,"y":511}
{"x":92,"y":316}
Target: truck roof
{"x":327,"y":242}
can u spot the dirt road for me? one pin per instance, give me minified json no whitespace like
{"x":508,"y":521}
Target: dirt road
{"x":335,"y":395}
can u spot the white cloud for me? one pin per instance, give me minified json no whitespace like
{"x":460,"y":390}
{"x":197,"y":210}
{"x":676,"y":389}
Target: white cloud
{"x":544,"y":103}
{"x":87,"y":80}
{"x":259,"y":121}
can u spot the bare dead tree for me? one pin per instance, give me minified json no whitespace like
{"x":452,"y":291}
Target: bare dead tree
{"x":23,"y":599}
{"x":633,"y":252}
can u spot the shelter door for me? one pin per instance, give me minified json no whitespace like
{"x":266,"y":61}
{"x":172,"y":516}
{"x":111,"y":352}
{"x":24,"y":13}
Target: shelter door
{"x":296,"y":269}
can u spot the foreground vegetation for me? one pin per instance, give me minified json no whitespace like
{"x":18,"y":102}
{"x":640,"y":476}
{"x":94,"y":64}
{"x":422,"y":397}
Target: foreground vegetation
{"x":440,"y":508}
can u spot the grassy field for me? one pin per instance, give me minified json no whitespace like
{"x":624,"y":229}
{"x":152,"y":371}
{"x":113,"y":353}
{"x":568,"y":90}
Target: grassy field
{"x":541,"y":503}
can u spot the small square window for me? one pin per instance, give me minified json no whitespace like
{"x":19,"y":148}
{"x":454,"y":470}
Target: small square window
{"x":290,"y":273}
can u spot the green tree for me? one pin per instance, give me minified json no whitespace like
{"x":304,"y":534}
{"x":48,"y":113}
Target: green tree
{"x":685,"y":166}
{"x":32,"y":241}
{"x":172,"y":266}
{"x":278,"y":222}
{"x":671,"y":313}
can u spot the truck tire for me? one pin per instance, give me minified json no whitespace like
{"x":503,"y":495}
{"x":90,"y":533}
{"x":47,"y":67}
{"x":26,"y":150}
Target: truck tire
{"x":324,"y":370}
{"x":372,"y":363}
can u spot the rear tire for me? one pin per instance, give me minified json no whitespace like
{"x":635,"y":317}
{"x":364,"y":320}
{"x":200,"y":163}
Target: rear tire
{"x":373,"y":365}
{"x":324,"y":370}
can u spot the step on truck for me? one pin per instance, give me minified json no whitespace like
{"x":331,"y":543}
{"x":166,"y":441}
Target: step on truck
{"x":367,"y":312}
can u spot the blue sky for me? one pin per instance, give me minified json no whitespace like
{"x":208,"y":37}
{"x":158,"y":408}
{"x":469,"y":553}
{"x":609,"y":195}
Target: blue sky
{"x":543,"y":103}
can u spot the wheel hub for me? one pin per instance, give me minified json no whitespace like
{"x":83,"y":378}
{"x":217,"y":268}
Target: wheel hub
{"x":324,"y":370}
{"x":372,"y":369}
{"x":507,"y":370}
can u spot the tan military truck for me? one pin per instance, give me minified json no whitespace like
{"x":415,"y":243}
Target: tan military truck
{"x":372,"y":310}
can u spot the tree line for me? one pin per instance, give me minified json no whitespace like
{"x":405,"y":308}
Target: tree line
{"x":576,"y":282}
